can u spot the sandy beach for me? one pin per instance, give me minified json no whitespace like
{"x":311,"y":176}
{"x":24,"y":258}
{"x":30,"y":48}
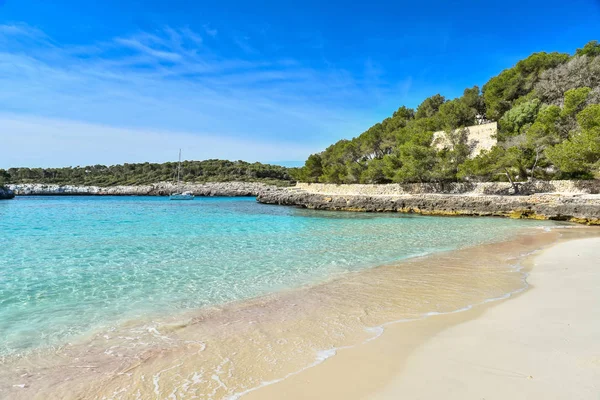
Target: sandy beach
{"x":540,"y":344}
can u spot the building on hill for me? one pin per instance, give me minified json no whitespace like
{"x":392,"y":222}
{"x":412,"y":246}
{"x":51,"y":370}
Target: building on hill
{"x":478,"y":137}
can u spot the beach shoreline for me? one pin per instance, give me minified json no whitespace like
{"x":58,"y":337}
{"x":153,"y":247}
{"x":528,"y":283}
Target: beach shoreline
{"x":537,"y":344}
{"x":321,"y":317}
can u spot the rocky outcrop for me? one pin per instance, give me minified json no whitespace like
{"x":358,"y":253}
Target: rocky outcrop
{"x":157,"y":189}
{"x":581,"y":208}
{"x":6,"y":193}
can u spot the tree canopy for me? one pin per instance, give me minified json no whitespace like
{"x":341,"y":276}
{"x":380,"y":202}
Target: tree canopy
{"x":547,"y":111}
{"x":146,"y":173}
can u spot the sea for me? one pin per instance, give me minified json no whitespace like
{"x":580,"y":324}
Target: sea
{"x":79,"y":276}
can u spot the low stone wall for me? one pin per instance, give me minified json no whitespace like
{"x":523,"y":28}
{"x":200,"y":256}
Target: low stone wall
{"x":473,"y":188}
{"x":158,"y":189}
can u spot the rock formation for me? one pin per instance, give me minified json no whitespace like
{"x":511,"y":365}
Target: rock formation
{"x":575,"y":207}
{"x":6,"y":193}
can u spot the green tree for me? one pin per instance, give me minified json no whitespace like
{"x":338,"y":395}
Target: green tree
{"x":517,"y":118}
{"x":591,"y":49}
{"x":488,"y":165}
{"x":451,"y":157}
{"x":472,"y":98}
{"x":418,"y":159}
{"x":500,"y":91}
{"x":579,"y":156}
{"x":312,"y":170}
{"x":589,"y":118}
{"x":404,"y":113}
{"x":430,"y":106}
{"x":575,"y":100}
{"x":374,"y":173}
{"x":372,"y":142}
{"x":455,"y":114}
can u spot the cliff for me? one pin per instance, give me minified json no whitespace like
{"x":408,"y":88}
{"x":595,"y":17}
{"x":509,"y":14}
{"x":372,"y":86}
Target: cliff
{"x":158,"y":189}
{"x":578,"y":205}
{"x":6,"y":193}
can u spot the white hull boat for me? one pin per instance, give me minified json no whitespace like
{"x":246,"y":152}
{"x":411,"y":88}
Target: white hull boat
{"x":179,"y":195}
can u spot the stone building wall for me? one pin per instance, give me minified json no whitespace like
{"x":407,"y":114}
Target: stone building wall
{"x":480,"y":137}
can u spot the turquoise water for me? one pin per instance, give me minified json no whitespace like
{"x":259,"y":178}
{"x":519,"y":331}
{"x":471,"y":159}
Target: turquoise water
{"x":70,"y":265}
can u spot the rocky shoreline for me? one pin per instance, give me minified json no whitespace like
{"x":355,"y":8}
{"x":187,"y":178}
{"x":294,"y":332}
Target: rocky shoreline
{"x":158,"y":189}
{"x":575,"y":207}
{"x":575,"y":201}
{"x":6,"y":193}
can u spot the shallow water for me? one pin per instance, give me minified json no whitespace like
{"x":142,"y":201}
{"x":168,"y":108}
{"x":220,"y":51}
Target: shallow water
{"x":68,"y":264}
{"x":153,"y":288}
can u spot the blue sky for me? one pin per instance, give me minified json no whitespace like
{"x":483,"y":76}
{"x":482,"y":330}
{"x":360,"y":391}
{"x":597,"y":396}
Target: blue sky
{"x":110,"y":81}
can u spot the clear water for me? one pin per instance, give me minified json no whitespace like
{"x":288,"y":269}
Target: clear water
{"x":70,"y":265}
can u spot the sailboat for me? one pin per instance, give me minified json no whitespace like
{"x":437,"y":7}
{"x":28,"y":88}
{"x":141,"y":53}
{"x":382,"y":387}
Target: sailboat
{"x":180,"y":195}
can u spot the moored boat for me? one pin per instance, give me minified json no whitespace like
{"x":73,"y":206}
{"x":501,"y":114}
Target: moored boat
{"x":179,"y":195}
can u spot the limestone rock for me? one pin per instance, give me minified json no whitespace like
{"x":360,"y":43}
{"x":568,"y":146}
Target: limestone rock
{"x":6,"y":193}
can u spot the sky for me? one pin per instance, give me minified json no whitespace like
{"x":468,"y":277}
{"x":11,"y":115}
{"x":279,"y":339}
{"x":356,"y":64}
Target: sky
{"x":105,"y":82}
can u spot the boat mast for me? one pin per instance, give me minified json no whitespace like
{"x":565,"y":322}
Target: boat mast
{"x":178,"y":172}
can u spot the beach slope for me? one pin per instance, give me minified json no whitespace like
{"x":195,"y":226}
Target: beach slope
{"x":541,"y":344}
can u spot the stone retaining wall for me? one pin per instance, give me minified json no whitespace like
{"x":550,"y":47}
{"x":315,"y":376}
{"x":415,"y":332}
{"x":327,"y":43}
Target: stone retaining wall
{"x":475,"y":188}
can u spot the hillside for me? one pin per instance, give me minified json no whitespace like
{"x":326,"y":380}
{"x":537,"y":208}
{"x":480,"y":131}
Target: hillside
{"x":548,"y":115}
{"x":148,"y":173}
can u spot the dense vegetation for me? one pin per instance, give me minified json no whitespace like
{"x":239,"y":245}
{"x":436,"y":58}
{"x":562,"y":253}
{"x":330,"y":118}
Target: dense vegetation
{"x":145,"y":173}
{"x":548,"y":119}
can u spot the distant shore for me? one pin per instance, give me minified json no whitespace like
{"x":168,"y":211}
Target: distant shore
{"x":155,"y":189}
{"x":541,"y":344}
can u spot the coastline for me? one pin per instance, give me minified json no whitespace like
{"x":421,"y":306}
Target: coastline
{"x":572,"y":201}
{"x":541,"y":343}
{"x":226,"y":189}
{"x":294,"y":327}
{"x":580,"y":207}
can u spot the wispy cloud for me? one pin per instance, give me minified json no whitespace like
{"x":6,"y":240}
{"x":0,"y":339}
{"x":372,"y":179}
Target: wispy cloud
{"x":209,"y":31}
{"x":19,"y":30}
{"x":170,"y":80}
{"x":243,"y":44}
{"x":159,"y":54}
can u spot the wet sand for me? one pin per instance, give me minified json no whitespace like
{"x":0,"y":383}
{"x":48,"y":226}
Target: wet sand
{"x":540,"y":344}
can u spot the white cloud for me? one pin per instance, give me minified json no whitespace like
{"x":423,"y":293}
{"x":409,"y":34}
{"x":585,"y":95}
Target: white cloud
{"x":49,"y":142}
{"x":169,"y":80}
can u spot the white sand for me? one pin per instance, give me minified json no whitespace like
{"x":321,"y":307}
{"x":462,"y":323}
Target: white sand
{"x":541,"y":344}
